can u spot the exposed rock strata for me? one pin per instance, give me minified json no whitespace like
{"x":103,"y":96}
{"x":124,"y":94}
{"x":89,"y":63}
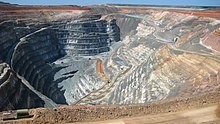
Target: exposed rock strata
{"x":159,"y":58}
{"x":88,"y":36}
{"x":14,"y":94}
{"x":163,"y":60}
{"x":33,"y":51}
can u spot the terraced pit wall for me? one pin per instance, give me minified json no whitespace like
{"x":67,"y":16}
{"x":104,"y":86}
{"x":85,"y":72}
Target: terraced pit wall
{"x":32,"y":51}
{"x":19,"y":96}
{"x":88,"y":36}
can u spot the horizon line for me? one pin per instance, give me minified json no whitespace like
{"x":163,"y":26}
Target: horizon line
{"x":120,"y":4}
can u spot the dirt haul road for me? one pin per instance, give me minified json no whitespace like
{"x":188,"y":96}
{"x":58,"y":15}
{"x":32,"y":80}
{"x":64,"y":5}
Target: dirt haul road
{"x":195,"y":116}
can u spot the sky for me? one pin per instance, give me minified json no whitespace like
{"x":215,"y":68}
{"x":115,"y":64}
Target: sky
{"x":92,"y":2}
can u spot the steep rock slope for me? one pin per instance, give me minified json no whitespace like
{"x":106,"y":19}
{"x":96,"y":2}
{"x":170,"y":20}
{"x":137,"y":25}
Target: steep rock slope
{"x":88,"y":35}
{"x":42,"y":52}
{"x":31,"y":57}
{"x":164,"y":60}
{"x":78,"y":59}
{"x":14,"y":94}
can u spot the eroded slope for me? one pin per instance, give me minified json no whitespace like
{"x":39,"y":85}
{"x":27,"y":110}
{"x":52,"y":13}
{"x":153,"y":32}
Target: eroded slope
{"x":162,"y":55}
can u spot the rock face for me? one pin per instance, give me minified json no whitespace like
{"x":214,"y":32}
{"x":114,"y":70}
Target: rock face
{"x":163,"y":59}
{"x":31,"y":58}
{"x":14,"y":94}
{"x":88,"y":36}
{"x":78,"y":59}
{"x":33,"y":51}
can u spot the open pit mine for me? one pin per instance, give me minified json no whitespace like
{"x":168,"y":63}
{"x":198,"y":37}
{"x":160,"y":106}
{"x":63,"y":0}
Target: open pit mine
{"x":65,"y":64}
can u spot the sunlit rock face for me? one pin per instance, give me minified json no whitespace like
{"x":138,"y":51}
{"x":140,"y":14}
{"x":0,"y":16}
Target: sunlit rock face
{"x":108,"y":55}
{"x":87,"y":36}
{"x":44,"y":55}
